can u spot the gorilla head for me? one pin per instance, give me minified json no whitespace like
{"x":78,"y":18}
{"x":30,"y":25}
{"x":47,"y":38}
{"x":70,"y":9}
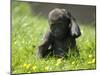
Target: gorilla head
{"x":59,"y":22}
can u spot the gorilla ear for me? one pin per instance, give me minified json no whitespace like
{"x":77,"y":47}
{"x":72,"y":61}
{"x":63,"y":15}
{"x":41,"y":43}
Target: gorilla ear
{"x":74,"y":28}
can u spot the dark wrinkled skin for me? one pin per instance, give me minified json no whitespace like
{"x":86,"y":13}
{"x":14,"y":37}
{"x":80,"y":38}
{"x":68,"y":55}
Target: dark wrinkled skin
{"x":61,"y":35}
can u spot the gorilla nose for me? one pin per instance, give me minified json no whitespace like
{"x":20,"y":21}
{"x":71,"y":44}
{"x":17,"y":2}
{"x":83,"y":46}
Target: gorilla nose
{"x":57,"y":31}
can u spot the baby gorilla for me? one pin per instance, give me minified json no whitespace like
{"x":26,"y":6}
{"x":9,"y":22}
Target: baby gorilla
{"x":61,"y":35}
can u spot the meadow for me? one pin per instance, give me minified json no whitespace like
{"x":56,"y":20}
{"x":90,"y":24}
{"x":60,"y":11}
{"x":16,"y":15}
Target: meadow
{"x":27,"y":32}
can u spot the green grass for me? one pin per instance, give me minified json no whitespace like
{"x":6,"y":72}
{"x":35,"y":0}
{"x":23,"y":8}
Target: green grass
{"x":27,"y":33}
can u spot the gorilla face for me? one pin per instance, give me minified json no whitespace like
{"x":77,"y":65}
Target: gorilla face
{"x":58,"y":29}
{"x":59,"y":23}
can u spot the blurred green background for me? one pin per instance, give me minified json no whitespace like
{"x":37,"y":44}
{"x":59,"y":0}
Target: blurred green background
{"x":29,"y":23}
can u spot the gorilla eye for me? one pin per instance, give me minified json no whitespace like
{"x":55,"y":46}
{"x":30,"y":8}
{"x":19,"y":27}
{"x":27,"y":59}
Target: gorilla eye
{"x":52,"y":24}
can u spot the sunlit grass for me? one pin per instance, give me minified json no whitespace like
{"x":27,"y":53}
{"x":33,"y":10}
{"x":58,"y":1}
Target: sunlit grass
{"x":27,"y":33}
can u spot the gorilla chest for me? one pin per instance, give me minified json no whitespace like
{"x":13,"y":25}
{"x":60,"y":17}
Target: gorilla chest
{"x":60,"y":47}
{"x":62,"y":44}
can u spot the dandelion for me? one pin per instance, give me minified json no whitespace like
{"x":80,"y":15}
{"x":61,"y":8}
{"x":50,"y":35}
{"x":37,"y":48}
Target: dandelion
{"x":28,"y":66}
{"x":90,"y":56}
{"x":46,"y":68}
{"x":93,"y":61}
{"x":59,"y":61}
{"x":24,"y":65}
{"x":73,"y":62}
{"x":34,"y":68}
{"x":89,"y":62}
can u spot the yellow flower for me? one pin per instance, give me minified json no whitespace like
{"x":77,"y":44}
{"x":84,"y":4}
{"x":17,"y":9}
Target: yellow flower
{"x":34,"y":67}
{"x":90,"y":56}
{"x":27,"y":66}
{"x":57,"y":64}
{"x":24,"y":65}
{"x":73,"y":62}
{"x":46,"y":68}
{"x":93,"y":61}
{"x":59,"y":60}
{"x":89,"y":62}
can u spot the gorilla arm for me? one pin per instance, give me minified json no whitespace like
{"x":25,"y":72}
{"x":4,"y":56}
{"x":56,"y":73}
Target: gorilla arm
{"x":43,"y":48}
{"x":75,"y":30}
